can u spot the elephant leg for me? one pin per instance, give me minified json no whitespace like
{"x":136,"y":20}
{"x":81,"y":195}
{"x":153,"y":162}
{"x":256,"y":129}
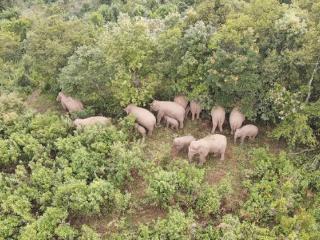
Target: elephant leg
{"x":190,"y":156}
{"x":222,"y":156}
{"x":242,"y":139}
{"x":202,"y":159}
{"x":214,"y":126}
{"x":181,"y":123}
{"x":159,"y":117}
{"x":187,"y":112}
{"x":150,"y":132}
{"x":220,"y":127}
{"x":192,"y":116}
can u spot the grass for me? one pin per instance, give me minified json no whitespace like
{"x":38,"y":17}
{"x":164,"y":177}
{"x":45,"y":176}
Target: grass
{"x":43,"y":102}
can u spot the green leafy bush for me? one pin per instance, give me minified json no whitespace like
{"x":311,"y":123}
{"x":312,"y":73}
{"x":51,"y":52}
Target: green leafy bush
{"x":175,"y":226}
{"x":162,"y":187}
{"x":296,"y":131}
{"x":81,"y":199}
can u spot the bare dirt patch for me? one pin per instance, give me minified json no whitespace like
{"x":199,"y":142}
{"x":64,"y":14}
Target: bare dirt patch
{"x":43,"y":102}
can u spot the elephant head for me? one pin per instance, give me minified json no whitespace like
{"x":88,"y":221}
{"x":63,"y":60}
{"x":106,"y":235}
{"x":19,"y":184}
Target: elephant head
{"x":154,"y":106}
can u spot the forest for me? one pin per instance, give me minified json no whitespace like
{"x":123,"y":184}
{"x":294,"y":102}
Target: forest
{"x":64,"y":182}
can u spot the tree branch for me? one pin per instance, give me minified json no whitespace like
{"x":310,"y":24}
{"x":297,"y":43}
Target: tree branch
{"x":311,"y":80}
{"x":302,"y":151}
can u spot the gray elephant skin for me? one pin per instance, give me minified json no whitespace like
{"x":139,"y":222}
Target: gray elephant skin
{"x":195,"y":109}
{"x":69,"y":104}
{"x":180,"y":143}
{"x":236,"y":119}
{"x":141,"y":130}
{"x":215,"y":143}
{"x":218,"y":115}
{"x":143,"y":117}
{"x":167,"y":108}
{"x":248,"y":130}
{"x":171,"y":122}
{"x":97,"y":120}
{"x":181,"y":100}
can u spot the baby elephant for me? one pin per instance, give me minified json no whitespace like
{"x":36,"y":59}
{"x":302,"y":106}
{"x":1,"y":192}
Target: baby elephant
{"x":236,"y":120}
{"x":215,"y":143}
{"x":141,"y":130}
{"x":98,"y":120}
{"x":218,"y":115}
{"x":195,"y":109}
{"x":167,"y":108}
{"x":181,"y":143}
{"x":171,"y":122}
{"x":248,"y":130}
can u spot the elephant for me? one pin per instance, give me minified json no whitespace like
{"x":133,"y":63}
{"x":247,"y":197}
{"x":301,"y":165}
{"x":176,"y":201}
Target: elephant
{"x":195,"y":109}
{"x":167,"y":108}
{"x":215,"y":143}
{"x":68,"y":103}
{"x":236,"y":119}
{"x":218,"y":115}
{"x":171,"y":122}
{"x":181,"y":100}
{"x":97,"y":120}
{"x":143,"y":117}
{"x":141,"y":130}
{"x":248,"y":130}
{"x":180,"y":143}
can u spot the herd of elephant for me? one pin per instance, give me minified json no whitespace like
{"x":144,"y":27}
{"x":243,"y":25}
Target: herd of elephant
{"x":174,"y":113}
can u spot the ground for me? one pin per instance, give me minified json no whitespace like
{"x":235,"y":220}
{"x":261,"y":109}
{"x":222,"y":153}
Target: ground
{"x":158,"y":149}
{"x":43,"y":102}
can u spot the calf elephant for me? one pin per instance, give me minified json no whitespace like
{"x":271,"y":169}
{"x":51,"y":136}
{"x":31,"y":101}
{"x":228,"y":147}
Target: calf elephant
{"x":248,"y":130}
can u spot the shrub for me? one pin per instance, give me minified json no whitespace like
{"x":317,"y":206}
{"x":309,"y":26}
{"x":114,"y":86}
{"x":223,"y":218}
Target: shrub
{"x":162,"y":187}
{"x":295,"y":130}
{"x":47,"y":128}
{"x":81,"y":199}
{"x":175,"y":226}
{"x":9,"y":152}
{"x":208,"y":201}
{"x":88,"y":234}
{"x":44,"y":228}
{"x":275,"y":188}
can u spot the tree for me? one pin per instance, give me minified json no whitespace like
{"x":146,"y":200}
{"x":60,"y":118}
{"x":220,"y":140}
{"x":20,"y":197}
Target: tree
{"x":49,"y":43}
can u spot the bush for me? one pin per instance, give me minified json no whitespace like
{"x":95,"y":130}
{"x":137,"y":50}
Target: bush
{"x":175,"y":226}
{"x":208,"y":201}
{"x":89,"y":234}
{"x":100,"y":196}
{"x":275,"y":188}
{"x":45,"y":227}
{"x":296,"y":131}
{"x":162,"y":187}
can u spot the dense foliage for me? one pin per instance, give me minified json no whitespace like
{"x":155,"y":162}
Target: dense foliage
{"x":260,"y":55}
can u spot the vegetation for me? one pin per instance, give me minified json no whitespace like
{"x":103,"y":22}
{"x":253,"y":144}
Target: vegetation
{"x":57,"y":182}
